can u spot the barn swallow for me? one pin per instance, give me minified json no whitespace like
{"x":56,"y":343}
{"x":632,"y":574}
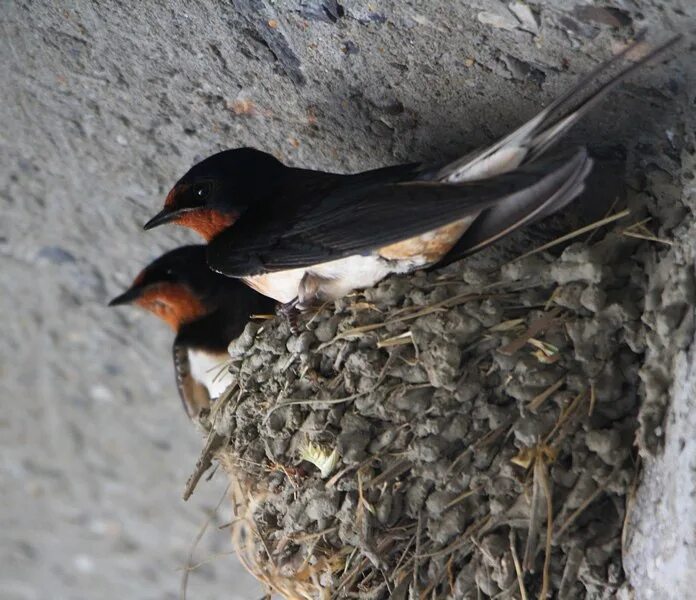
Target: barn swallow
{"x":300,"y":236}
{"x":206,"y":310}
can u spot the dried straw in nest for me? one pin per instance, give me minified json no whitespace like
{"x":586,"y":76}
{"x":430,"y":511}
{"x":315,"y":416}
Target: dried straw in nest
{"x":458,"y":435}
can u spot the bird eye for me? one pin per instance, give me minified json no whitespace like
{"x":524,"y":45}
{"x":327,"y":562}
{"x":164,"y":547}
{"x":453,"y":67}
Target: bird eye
{"x":200,"y":191}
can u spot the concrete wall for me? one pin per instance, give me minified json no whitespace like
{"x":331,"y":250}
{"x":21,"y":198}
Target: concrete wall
{"x":104,"y":105}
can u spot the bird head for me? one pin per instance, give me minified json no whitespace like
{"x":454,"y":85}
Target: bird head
{"x":178,"y":287}
{"x":213,"y":194}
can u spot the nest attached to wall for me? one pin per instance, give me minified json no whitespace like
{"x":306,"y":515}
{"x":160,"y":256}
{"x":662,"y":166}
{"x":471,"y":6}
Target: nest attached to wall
{"x":466,"y":433}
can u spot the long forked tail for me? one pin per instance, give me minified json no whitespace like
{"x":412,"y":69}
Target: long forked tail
{"x":517,"y":211}
{"x":540,"y":133}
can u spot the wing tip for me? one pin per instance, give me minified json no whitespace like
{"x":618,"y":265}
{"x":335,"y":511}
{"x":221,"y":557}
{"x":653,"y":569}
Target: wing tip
{"x":570,"y":169}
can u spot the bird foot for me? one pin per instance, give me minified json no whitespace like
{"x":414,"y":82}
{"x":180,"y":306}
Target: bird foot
{"x":291,"y":312}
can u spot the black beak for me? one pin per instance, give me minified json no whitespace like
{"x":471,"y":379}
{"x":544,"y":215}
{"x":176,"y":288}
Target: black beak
{"x":127,"y":297}
{"x":166,"y":215}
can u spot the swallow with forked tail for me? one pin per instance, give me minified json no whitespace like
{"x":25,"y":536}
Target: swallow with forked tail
{"x":206,"y":310}
{"x":300,"y":236}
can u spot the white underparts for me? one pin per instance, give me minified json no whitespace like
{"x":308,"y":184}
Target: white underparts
{"x":211,"y":370}
{"x":338,"y":277}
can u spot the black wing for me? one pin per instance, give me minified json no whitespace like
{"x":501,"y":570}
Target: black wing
{"x":354,"y":221}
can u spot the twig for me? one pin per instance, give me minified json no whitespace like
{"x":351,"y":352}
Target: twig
{"x":416,"y":556}
{"x":425,"y":310}
{"x":331,"y":482}
{"x":201,"y":532}
{"x":312,"y":536}
{"x":543,"y":474}
{"x":536,"y":402}
{"x":391,"y":473}
{"x":464,"y":539}
{"x":403,"y":554}
{"x":463,"y":496}
{"x":205,"y":561}
{"x":649,"y":238}
{"x":533,"y":528}
{"x":593,"y":400}
{"x":640,"y":231}
{"x":205,"y":460}
{"x":543,"y":323}
{"x":397,"y":340}
{"x":518,"y":567}
{"x":565,"y":415}
{"x":312,"y":401}
{"x":580,"y":509}
{"x":606,"y":214}
{"x":574,"y":234}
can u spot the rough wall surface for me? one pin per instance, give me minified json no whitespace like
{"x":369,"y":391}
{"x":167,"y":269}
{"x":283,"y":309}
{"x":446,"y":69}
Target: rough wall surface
{"x":105,"y":104}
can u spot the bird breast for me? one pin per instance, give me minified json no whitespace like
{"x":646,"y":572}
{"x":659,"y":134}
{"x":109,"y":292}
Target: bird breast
{"x":210,"y":369}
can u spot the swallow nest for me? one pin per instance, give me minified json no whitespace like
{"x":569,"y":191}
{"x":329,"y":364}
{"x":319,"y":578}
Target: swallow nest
{"x":467,"y":433}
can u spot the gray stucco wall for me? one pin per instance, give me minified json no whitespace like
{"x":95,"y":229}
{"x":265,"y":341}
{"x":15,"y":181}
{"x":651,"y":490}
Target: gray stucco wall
{"x":104,"y":105}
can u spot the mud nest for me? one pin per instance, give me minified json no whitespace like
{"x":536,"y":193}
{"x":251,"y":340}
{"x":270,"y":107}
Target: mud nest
{"x":467,"y":433}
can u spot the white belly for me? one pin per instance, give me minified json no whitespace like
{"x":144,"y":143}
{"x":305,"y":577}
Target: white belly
{"x":281,"y":285}
{"x":358,"y":272}
{"x":340,"y":277}
{"x":211,"y":370}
